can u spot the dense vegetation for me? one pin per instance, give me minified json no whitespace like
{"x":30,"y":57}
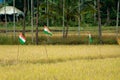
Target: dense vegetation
{"x":67,"y":13}
{"x":88,"y":11}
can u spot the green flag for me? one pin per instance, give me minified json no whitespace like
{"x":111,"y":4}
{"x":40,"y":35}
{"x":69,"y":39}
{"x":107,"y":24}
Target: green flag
{"x":90,"y":38}
{"x":47,"y":31}
{"x":22,"y":39}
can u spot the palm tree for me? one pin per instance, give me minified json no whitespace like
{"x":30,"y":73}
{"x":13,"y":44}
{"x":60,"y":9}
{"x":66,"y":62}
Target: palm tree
{"x":68,"y":11}
{"x":71,"y":11}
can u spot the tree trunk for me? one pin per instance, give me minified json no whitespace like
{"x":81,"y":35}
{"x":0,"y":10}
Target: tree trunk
{"x":47,"y":13}
{"x":117,"y":21}
{"x":5,"y":16}
{"x":32,"y":20}
{"x":63,"y":19}
{"x":37,"y":20}
{"x":108,"y":16}
{"x":82,"y":16}
{"x":99,"y":22}
{"x":14,"y":27}
{"x":67,"y":27}
{"x":95,"y":13}
{"x":79,"y":20}
{"x":24,"y":22}
{"x":66,"y":31}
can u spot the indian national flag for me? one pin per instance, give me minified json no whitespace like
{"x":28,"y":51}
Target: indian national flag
{"x":90,"y":38}
{"x":22,"y":39}
{"x":47,"y":31}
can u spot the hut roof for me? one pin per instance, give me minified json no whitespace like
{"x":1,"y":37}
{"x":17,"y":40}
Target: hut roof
{"x":10,"y":10}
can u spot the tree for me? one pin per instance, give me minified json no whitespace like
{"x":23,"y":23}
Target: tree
{"x":63,"y":18}
{"x":71,"y":11}
{"x":79,"y":18}
{"x":24,"y":21}
{"x":108,"y":5}
{"x":32,"y":7}
{"x":48,"y":13}
{"x":14,"y":27}
{"x":37,"y":22}
{"x":117,"y":19}
{"x":94,"y":13}
{"x":99,"y":22}
{"x":5,"y":16}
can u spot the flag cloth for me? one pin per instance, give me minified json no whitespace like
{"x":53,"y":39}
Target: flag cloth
{"x":90,"y":39}
{"x":47,"y":31}
{"x":22,"y":39}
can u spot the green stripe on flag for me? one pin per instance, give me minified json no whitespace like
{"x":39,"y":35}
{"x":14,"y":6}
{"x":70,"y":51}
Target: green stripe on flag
{"x":21,"y":41}
{"x":49,"y":33}
{"x":90,"y":40}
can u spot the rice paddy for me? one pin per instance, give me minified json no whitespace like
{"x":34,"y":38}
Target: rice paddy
{"x":60,"y":62}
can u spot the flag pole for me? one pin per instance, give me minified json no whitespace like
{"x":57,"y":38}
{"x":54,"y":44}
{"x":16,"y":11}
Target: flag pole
{"x":48,"y":39}
{"x":46,"y":51}
{"x":18,"y":54}
{"x":47,"y":31}
{"x":46,"y":48}
{"x":22,"y":41}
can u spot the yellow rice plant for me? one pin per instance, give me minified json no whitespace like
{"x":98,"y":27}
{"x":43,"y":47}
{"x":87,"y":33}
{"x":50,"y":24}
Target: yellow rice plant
{"x":118,"y":40}
{"x":42,"y":53}
{"x":60,"y":62}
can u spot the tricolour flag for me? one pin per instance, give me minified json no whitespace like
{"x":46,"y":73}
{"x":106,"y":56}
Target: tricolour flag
{"x":90,"y":38}
{"x":47,"y":31}
{"x":22,"y":39}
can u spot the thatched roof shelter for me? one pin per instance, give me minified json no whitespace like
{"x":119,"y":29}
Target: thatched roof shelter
{"x":10,"y":10}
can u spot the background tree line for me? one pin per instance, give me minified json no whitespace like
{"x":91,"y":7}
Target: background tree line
{"x":108,"y":10}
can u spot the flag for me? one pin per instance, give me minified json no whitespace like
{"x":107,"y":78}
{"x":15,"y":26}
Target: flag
{"x":22,"y":39}
{"x":90,"y":38}
{"x":47,"y":31}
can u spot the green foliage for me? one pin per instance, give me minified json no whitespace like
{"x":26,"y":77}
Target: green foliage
{"x":7,"y":40}
{"x":88,"y":7}
{"x":55,"y":40}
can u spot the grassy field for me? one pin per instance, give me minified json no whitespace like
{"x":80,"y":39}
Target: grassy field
{"x":48,"y":62}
